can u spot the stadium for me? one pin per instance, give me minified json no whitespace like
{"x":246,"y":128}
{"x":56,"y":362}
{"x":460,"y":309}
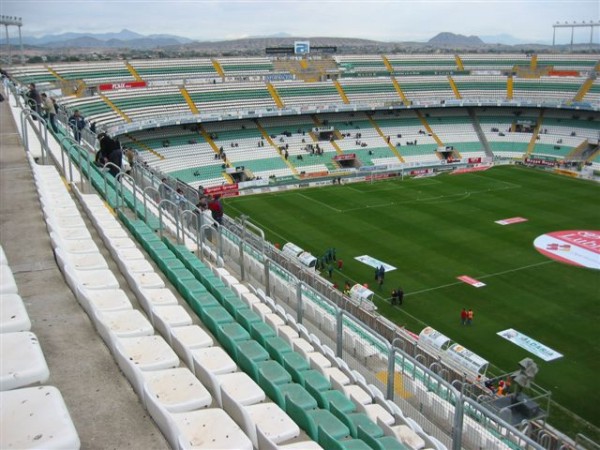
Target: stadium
{"x":471,"y":179}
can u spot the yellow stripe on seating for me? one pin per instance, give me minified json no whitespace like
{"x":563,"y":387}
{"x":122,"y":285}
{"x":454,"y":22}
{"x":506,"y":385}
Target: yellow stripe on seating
{"x":115,"y":108}
{"x":400,"y":92}
{"x":535,"y":134}
{"x":398,"y":383}
{"x":387,"y":64}
{"x":188,"y":100}
{"x":133,"y":72}
{"x":454,"y":88}
{"x":275,"y":95}
{"x":340,"y":90}
{"x":583,"y":90}
{"x":218,"y":68}
{"x":384,"y":137}
{"x":428,"y":128}
{"x":55,"y":73}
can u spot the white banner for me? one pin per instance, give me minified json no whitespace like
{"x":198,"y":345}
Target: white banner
{"x":370,"y":261}
{"x":530,"y":344}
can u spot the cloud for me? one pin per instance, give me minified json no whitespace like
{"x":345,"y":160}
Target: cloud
{"x":390,"y":20}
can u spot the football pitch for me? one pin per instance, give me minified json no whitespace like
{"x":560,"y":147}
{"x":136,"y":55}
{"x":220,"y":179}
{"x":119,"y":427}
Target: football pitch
{"x":436,"y":229}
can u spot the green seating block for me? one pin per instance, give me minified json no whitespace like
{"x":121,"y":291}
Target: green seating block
{"x":179,"y":276}
{"x":234,"y":304}
{"x":330,"y":443}
{"x":355,"y":420}
{"x":248,"y":318}
{"x":335,"y":397}
{"x":192,"y":288}
{"x":273,"y":372}
{"x":277,"y":347}
{"x":313,"y":420}
{"x":259,"y":330}
{"x":382,"y":443}
{"x":249,"y":356}
{"x":314,"y":380}
{"x":200,"y":302}
{"x":295,"y":363}
{"x":231,"y":333}
{"x":215,"y":316}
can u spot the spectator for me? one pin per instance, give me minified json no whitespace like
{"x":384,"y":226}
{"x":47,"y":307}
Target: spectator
{"x":77,"y":123}
{"x":216,"y":209}
{"x":130,"y":155}
{"x":107,"y":145}
{"x":116,"y":159}
{"x":49,"y":111}
{"x":163,"y":189}
{"x":179,"y":199}
{"x":34,"y":100}
{"x":469,"y":317}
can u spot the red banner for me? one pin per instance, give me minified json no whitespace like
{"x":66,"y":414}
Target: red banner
{"x":227,"y":190}
{"x":563,"y":73}
{"x":540,"y":162}
{"x":474,"y":160}
{"x":344,"y":157}
{"x":125,"y":85}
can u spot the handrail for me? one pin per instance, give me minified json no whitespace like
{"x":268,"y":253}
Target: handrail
{"x":175,"y":207}
{"x":120,"y":177}
{"x":27,"y":114}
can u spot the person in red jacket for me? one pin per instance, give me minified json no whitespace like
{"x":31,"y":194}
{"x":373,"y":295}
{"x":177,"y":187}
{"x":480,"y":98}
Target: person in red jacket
{"x":463,"y":316}
{"x":216,"y":209}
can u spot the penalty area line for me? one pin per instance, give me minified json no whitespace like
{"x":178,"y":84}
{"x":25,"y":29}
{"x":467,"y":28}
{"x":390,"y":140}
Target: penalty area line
{"x":482,"y":277}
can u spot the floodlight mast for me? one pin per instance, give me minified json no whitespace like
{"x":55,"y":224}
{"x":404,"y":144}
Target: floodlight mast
{"x":12,"y":21}
{"x":572,"y":26}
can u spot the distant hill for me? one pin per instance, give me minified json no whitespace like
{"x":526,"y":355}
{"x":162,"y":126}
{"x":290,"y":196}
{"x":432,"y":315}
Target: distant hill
{"x":455,"y":40}
{"x":123,"y":39}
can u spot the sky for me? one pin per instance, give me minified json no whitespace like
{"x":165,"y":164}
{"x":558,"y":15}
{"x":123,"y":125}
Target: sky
{"x":383,"y":20}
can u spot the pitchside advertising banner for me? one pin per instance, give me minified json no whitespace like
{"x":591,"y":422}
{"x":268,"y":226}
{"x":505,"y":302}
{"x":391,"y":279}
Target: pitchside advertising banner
{"x":531,"y":345}
{"x":127,"y":85}
{"x":370,"y":261}
{"x":576,"y":247}
{"x":227,"y":190}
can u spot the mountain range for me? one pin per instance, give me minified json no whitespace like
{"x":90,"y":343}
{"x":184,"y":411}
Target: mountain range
{"x":130,"y":39}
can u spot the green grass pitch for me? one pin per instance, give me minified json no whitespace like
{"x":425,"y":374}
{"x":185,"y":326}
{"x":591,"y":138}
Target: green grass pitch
{"x":436,"y":229}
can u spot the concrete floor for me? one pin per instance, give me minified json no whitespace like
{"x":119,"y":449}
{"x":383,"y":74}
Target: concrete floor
{"x":104,"y":408}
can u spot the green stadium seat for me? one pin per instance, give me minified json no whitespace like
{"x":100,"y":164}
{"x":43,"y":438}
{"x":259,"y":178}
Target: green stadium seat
{"x":381,"y":443}
{"x":249,"y":356}
{"x":312,"y":420}
{"x":201,"y":301}
{"x":231,"y":333}
{"x":314,"y":381}
{"x":214,"y":316}
{"x":277,"y":347}
{"x":331,"y":443}
{"x":249,"y":319}
{"x":355,"y":420}
{"x":294,"y":363}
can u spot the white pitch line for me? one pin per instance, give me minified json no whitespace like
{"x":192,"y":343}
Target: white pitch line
{"x":490,"y":275}
{"x":320,"y":203}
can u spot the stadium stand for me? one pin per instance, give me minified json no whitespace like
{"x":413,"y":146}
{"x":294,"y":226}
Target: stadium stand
{"x":222,"y":350}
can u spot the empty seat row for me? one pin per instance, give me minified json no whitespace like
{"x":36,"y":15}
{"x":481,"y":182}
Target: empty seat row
{"x":210,"y":364}
{"x":146,"y":359}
